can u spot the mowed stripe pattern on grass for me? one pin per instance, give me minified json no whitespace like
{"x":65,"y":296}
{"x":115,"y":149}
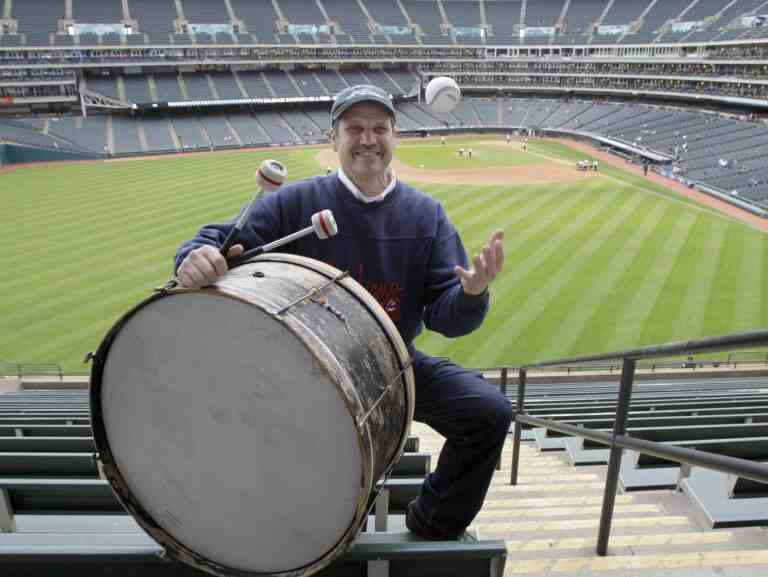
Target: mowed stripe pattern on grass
{"x":592,"y":265}
{"x":86,"y":242}
{"x":595,"y":266}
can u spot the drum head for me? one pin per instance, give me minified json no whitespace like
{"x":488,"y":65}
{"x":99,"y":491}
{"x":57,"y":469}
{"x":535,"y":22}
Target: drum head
{"x":230,"y":434}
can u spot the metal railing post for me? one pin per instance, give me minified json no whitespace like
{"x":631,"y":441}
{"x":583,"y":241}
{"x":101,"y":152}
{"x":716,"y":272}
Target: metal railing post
{"x":518,"y":427}
{"x":614,"y":461}
{"x":503,"y":386}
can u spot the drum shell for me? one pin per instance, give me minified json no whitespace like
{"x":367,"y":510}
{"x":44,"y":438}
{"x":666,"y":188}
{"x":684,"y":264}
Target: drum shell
{"x":350,"y":338}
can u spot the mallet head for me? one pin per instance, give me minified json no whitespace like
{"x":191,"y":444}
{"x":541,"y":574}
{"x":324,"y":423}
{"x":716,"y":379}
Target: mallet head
{"x":324,"y":224}
{"x":271,"y":175}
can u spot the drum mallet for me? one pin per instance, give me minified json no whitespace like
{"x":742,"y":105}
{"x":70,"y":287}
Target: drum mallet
{"x":323,"y":225}
{"x":270,"y":176}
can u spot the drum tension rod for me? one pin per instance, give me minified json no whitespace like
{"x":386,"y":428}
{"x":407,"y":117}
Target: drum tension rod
{"x":313,"y":292}
{"x":385,"y":392}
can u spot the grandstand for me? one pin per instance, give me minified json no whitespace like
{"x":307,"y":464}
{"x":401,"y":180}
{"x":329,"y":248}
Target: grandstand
{"x":694,"y":54}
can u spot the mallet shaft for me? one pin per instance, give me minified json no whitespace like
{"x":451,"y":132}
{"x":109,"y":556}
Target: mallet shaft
{"x":235,"y":231}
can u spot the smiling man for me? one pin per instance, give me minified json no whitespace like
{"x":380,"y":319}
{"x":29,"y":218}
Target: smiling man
{"x":398,"y":243}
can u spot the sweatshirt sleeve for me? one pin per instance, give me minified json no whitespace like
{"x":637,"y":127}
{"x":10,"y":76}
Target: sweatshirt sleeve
{"x":262,"y":226}
{"x":449,"y":310}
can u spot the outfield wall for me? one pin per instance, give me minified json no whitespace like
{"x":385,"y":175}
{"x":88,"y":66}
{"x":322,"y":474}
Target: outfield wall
{"x":17,"y":154}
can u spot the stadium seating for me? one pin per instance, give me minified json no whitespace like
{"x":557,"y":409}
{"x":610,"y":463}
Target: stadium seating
{"x":205,"y":11}
{"x":654,"y":20}
{"x":108,"y":11}
{"x":255,"y":84}
{"x":503,"y":17}
{"x":157,"y":132}
{"x":154,"y":17}
{"x":87,"y":133}
{"x":218,"y":132}
{"x":191,"y":133}
{"x":105,"y":85}
{"x":405,"y":80}
{"x":350,"y":18}
{"x":197,"y":86}
{"x":57,"y":509}
{"x":137,"y":89}
{"x":225,"y":85}
{"x":466,"y":114}
{"x":248,"y":130}
{"x":259,"y":17}
{"x":158,"y":19}
{"x":126,"y":136}
{"x":308,"y":83}
{"x":426,"y":15}
{"x":387,"y":13}
{"x":278,"y":131}
{"x":303,"y":125}
{"x":726,"y":500}
{"x":331,"y":81}
{"x":487,"y":111}
{"x":380,"y":78}
{"x":281,"y":84}
{"x":545,"y":14}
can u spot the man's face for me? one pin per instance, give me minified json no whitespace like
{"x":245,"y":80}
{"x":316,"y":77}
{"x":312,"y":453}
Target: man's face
{"x":364,"y":139}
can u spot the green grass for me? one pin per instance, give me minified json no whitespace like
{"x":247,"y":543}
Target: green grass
{"x":591,"y":266}
{"x":430,"y":154}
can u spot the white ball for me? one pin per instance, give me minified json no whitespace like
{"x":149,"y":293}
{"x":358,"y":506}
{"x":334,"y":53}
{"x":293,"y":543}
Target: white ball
{"x":442,"y":94}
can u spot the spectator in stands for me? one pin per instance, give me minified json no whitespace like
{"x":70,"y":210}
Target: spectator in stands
{"x":399,"y":243}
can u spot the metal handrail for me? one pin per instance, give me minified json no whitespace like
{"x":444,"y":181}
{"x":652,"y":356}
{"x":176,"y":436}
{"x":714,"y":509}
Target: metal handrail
{"x":619,"y":440}
{"x":710,"y":344}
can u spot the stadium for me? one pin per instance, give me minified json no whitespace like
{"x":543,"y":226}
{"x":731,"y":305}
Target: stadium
{"x":622,"y":147}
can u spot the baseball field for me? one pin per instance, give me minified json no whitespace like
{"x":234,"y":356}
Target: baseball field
{"x":595,"y":261}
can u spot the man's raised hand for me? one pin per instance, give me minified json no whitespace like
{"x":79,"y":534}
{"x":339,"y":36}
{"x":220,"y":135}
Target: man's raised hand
{"x":485,"y":266}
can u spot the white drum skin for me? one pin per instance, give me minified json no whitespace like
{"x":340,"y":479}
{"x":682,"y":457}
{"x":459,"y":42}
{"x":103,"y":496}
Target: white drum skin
{"x":245,"y":427}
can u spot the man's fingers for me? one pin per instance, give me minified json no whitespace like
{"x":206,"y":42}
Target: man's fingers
{"x":235,"y":250}
{"x":201,"y":272}
{"x":478,"y":262}
{"x":463,"y":273}
{"x":203,"y":266}
{"x":499,"y":255}
{"x":490,"y":261}
{"x":208,"y":261}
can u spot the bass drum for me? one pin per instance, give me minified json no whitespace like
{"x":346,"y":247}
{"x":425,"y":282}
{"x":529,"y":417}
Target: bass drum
{"x":245,"y":425}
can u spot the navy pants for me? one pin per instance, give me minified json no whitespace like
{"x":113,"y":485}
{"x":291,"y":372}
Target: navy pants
{"x":474,"y":417}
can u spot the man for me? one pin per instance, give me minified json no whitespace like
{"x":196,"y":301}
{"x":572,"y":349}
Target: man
{"x":399,"y":244}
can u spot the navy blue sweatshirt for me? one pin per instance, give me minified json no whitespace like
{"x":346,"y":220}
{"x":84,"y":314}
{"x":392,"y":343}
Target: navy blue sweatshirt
{"x":402,"y":250}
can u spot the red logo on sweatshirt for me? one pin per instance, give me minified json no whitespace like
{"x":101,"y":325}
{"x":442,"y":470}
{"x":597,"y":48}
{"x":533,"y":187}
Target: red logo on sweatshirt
{"x":388,"y":295}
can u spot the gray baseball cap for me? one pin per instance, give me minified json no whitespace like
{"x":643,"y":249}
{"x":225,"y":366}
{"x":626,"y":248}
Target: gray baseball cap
{"x":360,"y":93}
